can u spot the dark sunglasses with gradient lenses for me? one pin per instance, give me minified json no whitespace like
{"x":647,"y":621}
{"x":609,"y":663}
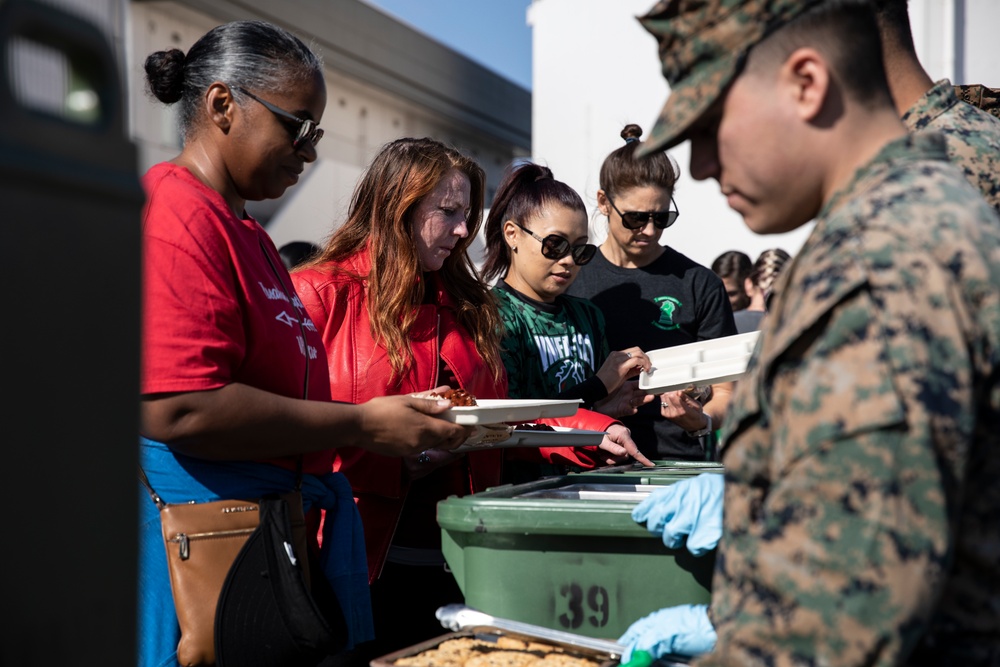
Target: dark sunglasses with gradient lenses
{"x":308,"y":130}
{"x":633,"y":220}
{"x":556,"y":247}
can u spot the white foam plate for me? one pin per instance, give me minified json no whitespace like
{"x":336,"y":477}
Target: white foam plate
{"x":562,"y":436}
{"x":701,"y":363}
{"x":496,"y":411}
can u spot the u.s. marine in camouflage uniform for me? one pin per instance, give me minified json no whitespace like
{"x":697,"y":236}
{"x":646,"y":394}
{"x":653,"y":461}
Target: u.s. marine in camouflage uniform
{"x":861,"y":485}
{"x":972,"y":134}
{"x":980,"y":96}
{"x":862,"y":448}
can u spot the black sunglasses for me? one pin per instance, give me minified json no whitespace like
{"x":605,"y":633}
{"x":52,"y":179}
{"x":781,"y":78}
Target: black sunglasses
{"x":556,"y":247}
{"x":634,"y":220}
{"x":308,"y":130}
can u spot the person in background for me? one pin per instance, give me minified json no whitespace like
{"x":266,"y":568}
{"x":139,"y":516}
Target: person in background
{"x":654,"y":297}
{"x":861,"y":521}
{"x":294,"y":253}
{"x":981,"y":97}
{"x":235,"y":395}
{"x":733,"y":267}
{"x":759,"y":285}
{"x":972,"y":135}
{"x":400,"y":310}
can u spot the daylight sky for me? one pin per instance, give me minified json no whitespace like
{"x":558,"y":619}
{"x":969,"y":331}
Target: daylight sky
{"x":494,"y":33}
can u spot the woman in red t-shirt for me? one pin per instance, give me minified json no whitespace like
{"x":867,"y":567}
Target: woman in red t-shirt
{"x":235,"y":390}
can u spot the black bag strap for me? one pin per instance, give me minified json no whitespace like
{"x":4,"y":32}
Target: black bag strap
{"x":149,"y":488}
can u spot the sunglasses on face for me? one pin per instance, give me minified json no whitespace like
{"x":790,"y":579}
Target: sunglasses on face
{"x":556,"y":247}
{"x":308,"y":130}
{"x":634,"y":220}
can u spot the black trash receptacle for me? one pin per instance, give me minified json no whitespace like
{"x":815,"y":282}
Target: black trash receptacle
{"x":70,"y":205}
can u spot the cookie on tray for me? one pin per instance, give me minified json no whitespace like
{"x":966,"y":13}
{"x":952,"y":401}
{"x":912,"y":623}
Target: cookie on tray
{"x":504,"y":659}
{"x":563,"y":660}
{"x":432,"y":658}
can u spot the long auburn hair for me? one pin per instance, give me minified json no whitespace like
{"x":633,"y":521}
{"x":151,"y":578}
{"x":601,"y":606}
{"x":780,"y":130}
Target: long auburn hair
{"x":380,"y":218}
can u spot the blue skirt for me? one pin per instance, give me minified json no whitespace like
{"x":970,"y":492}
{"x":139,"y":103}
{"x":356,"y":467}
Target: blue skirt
{"x":178,"y":479}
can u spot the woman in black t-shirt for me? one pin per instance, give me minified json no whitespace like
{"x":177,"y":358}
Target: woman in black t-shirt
{"x":654,"y":297}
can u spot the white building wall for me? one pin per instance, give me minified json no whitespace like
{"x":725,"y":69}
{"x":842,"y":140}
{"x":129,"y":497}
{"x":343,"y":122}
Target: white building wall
{"x":358,"y":120}
{"x":981,"y":55}
{"x":595,"y":69}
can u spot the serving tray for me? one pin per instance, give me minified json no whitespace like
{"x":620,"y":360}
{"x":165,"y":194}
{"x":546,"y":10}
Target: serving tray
{"x":705,"y":362}
{"x":496,"y":411}
{"x":560,"y":437}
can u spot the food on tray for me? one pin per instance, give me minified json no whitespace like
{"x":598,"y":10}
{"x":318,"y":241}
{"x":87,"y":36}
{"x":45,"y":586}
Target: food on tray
{"x":702,"y":394}
{"x":458,"y":397}
{"x":487,"y":434}
{"x":530,"y":426}
{"x":432,"y":658}
{"x":505,"y":652}
{"x":503,"y":659}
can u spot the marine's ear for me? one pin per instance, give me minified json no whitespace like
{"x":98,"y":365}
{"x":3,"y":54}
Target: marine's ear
{"x":805,"y":77}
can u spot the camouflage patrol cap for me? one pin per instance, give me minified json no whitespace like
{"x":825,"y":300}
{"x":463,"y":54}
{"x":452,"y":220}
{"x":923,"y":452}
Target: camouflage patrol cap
{"x":701,"y":45}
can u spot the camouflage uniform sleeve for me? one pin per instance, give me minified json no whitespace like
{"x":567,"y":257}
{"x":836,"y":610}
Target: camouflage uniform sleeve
{"x":841,"y":495}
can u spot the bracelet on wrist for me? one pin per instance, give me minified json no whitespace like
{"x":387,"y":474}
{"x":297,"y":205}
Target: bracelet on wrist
{"x":702,"y":431}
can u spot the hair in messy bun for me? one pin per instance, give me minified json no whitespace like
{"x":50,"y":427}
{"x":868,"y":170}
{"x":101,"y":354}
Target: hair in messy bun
{"x":250,"y":54}
{"x":631,"y":133}
{"x":623,"y":170}
{"x":165,"y":75}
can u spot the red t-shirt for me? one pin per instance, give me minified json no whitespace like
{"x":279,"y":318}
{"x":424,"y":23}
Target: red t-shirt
{"x":215,"y":310}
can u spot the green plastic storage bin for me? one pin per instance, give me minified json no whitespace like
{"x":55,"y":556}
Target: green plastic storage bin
{"x":564,"y":553}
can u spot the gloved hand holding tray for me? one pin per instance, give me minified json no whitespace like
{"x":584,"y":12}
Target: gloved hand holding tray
{"x":702,"y":363}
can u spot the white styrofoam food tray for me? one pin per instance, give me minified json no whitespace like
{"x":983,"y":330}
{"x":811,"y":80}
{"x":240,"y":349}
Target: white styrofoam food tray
{"x":701,"y":363}
{"x":496,"y":410}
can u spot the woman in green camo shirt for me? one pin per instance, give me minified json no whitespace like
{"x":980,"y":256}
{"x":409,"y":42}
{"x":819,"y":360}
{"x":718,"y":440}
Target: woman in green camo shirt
{"x":553,"y":344}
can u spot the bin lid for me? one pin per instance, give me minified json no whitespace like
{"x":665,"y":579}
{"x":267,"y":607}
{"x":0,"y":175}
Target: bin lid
{"x":562,"y":505}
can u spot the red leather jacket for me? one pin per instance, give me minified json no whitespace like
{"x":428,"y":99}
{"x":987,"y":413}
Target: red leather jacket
{"x":337,"y":304}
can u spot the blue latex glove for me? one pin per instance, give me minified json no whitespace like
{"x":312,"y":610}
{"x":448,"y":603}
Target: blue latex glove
{"x":681,"y":630}
{"x":689,"y":508}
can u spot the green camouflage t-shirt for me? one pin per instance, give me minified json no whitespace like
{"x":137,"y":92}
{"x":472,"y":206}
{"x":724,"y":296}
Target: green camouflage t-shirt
{"x":550,"y":350}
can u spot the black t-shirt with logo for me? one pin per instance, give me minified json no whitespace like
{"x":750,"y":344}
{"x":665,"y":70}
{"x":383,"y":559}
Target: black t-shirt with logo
{"x":672,"y":301}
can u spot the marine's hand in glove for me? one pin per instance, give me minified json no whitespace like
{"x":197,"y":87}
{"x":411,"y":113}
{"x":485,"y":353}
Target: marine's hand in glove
{"x":689,"y":508}
{"x":681,"y":630}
